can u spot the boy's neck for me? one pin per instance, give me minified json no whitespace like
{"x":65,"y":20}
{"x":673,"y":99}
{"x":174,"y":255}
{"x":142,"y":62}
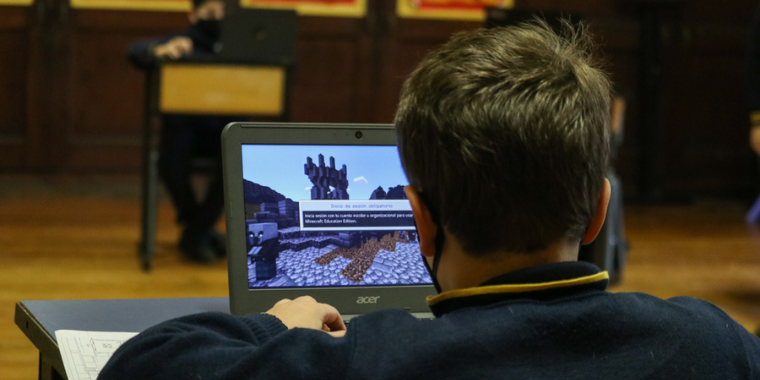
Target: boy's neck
{"x":458,"y":270}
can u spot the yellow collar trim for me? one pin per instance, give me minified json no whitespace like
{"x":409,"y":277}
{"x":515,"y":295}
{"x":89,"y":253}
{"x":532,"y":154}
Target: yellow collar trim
{"x":518,"y":288}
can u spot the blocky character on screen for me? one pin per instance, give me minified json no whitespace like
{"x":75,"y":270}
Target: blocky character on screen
{"x":265,"y":249}
{"x":329,"y":182}
{"x":250,"y":241}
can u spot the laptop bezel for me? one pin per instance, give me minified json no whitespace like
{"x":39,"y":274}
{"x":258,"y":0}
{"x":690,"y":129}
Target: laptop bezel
{"x":348,"y":300}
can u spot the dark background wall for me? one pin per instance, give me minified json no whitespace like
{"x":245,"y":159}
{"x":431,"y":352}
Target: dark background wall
{"x":70,"y":102}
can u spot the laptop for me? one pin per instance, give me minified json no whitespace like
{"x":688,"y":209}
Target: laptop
{"x":262,"y":36}
{"x":320,"y":210}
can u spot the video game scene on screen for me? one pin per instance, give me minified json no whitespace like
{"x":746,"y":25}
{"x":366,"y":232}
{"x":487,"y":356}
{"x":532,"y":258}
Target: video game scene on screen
{"x":310,"y":223}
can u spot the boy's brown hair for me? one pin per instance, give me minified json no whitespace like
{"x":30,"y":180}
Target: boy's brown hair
{"x":505,"y":133}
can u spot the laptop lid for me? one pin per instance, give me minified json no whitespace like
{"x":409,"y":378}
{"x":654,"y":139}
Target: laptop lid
{"x":259,"y":35}
{"x":319,"y":210}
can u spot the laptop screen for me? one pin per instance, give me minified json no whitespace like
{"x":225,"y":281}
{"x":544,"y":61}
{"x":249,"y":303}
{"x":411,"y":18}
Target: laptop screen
{"x":328,"y":216}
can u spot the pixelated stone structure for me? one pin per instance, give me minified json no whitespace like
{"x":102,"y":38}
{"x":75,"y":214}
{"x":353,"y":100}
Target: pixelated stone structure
{"x":288,"y":208}
{"x":268,"y":213}
{"x":379,"y":193}
{"x":396,"y":192}
{"x":255,"y":194}
{"x":284,"y":213}
{"x":329,"y":182}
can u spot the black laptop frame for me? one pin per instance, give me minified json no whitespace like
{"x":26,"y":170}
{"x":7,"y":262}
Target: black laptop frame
{"x":350,"y":301}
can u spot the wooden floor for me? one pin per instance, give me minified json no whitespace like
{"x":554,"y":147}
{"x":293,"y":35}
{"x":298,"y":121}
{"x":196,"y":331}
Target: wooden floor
{"x":63,"y":238}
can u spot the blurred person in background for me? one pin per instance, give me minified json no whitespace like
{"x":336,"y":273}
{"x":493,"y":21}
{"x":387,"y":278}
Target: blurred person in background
{"x":184,"y":137}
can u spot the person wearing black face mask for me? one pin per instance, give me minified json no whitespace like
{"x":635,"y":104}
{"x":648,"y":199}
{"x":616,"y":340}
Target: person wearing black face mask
{"x":205,"y":19}
{"x":186,"y":136}
{"x":212,"y":28}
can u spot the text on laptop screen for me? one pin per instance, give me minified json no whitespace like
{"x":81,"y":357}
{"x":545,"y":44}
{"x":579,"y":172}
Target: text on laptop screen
{"x":328,"y":216}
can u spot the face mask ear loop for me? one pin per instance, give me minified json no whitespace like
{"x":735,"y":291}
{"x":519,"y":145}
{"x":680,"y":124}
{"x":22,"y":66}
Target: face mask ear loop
{"x":438,"y":241}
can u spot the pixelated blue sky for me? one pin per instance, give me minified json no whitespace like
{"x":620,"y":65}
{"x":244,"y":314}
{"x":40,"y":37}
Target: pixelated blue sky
{"x":280,"y":167}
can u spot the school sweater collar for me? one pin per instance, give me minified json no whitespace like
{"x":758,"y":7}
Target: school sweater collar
{"x":543,"y":282}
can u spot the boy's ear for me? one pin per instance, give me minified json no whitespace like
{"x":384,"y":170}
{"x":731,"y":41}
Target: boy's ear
{"x":601,"y":213}
{"x":426,"y":228}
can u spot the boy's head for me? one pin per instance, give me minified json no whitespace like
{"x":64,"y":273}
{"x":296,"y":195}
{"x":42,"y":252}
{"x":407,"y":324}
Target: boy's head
{"x":504,"y":132}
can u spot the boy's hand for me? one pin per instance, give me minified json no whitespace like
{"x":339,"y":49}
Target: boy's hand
{"x":175,"y":48}
{"x":306,"y":312}
{"x":754,"y":139}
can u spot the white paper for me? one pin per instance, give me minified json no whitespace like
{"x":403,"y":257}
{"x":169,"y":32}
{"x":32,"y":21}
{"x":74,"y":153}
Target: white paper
{"x":85,"y":353}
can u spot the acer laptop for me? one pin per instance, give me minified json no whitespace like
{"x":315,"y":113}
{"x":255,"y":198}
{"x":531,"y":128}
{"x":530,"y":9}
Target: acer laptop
{"x":320,"y":210}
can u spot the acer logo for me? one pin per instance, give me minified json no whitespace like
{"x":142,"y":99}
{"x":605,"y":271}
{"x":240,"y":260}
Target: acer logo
{"x":361,"y":300}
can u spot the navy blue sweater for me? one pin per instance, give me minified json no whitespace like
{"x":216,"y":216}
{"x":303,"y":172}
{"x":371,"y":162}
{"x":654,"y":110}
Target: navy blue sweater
{"x":550,"y":322}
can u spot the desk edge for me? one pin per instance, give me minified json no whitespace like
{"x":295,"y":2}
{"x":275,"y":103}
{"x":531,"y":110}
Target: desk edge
{"x":41,"y":338}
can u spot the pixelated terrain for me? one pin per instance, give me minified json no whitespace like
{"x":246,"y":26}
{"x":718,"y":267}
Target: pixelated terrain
{"x":361,"y":258}
{"x":396,"y":266}
{"x":332,"y":258}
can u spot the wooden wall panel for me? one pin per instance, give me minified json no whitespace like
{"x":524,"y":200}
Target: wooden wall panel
{"x":105,"y":93}
{"x":619,"y":48}
{"x":330,"y":76}
{"x":71,"y":102}
{"x":12,"y":83}
{"x":588,"y":8}
{"x":14,"y":47}
{"x":402,"y":45}
{"x":735,"y":12}
{"x":332,"y":59}
{"x":324,"y":82}
{"x":705,"y":140}
{"x":91,"y":84}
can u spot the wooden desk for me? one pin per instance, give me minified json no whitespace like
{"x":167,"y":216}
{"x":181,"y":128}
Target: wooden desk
{"x":206,"y":87}
{"x":222,"y":89}
{"x":40,"y":319}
